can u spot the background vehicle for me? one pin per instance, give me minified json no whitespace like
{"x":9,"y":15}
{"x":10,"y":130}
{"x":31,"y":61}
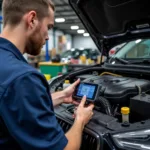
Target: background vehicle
{"x":114,"y":50}
{"x":124,"y":83}
{"x":73,"y":55}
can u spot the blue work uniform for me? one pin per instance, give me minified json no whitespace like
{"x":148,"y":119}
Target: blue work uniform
{"x":27,"y":119}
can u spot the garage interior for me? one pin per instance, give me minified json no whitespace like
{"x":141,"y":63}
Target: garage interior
{"x":112,"y":63}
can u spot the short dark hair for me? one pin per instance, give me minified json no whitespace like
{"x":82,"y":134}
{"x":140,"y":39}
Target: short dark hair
{"x":13,"y":10}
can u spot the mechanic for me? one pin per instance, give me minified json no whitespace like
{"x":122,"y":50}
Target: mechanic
{"x":27,"y":119}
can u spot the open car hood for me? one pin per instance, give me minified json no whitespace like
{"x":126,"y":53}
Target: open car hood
{"x":112,"y":22}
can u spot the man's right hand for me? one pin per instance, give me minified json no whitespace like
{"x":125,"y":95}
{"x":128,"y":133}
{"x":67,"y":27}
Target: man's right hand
{"x":84,"y":113}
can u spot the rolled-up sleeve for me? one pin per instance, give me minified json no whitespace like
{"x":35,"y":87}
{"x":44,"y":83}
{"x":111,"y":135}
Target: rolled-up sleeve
{"x":27,"y":111}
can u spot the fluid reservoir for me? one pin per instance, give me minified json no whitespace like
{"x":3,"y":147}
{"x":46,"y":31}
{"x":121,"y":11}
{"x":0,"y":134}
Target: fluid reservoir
{"x":125,"y":114}
{"x":66,"y":84}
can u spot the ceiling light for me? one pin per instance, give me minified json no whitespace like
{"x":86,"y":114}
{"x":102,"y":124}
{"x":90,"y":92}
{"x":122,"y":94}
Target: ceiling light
{"x":81,"y":48}
{"x":74,"y":27}
{"x":59,"y":20}
{"x":80,"y":31}
{"x":86,"y":34}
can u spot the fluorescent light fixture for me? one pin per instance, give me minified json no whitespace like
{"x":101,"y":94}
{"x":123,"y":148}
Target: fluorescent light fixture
{"x":86,"y":34}
{"x":74,"y":27}
{"x":80,"y":31}
{"x":81,"y":48}
{"x":60,"y":20}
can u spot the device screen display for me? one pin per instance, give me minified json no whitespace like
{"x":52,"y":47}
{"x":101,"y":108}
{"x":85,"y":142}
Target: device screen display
{"x":86,"y":89}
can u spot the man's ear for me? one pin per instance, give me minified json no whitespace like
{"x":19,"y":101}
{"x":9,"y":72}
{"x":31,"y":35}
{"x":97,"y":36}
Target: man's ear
{"x":31,"y":19}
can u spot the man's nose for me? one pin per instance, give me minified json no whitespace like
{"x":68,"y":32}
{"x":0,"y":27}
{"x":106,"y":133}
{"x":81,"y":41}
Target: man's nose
{"x":47,"y":37}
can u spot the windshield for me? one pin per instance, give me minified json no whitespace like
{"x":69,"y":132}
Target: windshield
{"x":135,"y":50}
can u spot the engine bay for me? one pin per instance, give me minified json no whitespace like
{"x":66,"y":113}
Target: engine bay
{"x":122,"y":88}
{"x":117,"y":91}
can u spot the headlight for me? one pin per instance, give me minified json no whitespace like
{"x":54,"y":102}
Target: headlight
{"x":138,"y":140}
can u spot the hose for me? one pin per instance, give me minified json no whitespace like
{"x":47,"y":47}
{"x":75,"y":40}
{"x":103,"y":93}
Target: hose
{"x":109,"y":73}
{"x":106,"y":105}
{"x":139,"y":89}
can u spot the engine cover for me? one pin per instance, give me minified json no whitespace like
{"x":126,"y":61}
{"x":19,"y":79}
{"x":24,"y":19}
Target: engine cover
{"x":119,"y":89}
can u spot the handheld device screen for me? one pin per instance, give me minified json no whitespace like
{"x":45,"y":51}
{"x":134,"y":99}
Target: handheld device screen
{"x":86,"y":89}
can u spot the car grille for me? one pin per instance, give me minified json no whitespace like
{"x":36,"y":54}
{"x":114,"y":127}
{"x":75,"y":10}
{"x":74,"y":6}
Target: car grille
{"x":89,"y":142}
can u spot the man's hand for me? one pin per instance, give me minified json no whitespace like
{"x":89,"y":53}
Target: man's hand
{"x":69,"y":91}
{"x":83,"y":113}
{"x":65,"y":96}
{"x":74,"y":135}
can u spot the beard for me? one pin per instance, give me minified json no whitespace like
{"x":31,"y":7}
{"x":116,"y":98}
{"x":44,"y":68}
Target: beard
{"x":34,"y":43}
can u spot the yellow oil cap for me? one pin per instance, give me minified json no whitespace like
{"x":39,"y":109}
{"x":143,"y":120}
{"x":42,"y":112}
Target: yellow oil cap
{"x":47,"y":76}
{"x":125,"y":110}
{"x":67,"y":81}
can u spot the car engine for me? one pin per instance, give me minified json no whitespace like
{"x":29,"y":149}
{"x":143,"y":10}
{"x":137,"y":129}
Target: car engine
{"x":116,"y":92}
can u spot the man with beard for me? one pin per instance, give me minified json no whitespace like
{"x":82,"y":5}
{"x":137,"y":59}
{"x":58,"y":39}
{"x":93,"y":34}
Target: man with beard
{"x":27,"y":119}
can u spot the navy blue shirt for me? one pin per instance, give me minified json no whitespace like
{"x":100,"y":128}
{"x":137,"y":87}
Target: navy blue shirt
{"x":27,"y":119}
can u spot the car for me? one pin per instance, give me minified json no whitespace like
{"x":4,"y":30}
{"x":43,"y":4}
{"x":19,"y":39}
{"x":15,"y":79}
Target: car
{"x":120,"y":91}
{"x":74,"y":54}
{"x":114,"y":50}
{"x":67,"y":55}
{"x":133,"y":51}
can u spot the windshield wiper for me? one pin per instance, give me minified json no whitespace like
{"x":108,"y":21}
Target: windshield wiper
{"x":121,"y":60}
{"x":144,"y":61}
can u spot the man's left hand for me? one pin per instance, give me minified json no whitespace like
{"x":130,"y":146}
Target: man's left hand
{"x":69,"y":91}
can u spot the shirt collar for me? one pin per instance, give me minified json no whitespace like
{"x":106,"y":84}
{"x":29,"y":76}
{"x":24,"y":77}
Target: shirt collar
{"x":7,"y":45}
